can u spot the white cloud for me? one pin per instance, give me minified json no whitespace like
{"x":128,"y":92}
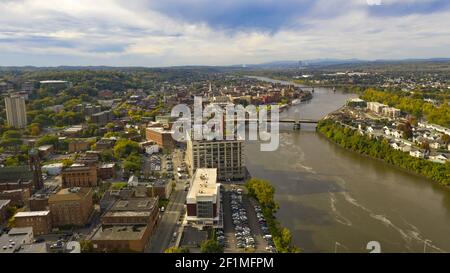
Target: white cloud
{"x":116,"y":33}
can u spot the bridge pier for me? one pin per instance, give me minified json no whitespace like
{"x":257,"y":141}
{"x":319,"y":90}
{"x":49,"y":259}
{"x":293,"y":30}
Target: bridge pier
{"x":297,"y":125}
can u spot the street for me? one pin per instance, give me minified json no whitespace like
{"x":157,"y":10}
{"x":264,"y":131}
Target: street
{"x":168,"y":223}
{"x":162,"y":237}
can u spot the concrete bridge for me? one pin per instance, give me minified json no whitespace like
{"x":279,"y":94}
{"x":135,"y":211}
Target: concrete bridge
{"x":295,"y":122}
{"x":313,"y":121}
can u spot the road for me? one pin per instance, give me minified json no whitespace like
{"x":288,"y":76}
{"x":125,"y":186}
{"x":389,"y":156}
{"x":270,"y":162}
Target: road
{"x":168,"y":223}
{"x":162,"y":238}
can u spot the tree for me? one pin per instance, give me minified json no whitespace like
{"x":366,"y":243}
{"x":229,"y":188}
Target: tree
{"x":11,"y":140}
{"x":47,"y":140}
{"x":406,"y":129}
{"x":263,"y":191}
{"x":211,"y":246}
{"x":445,"y":139}
{"x":132,"y":163}
{"x":110,"y":126}
{"x":11,"y":161}
{"x":425,"y":145}
{"x":125,"y":147}
{"x":35,"y":129}
{"x":86,"y":246}
{"x":107,"y":155}
{"x":67,"y":162}
{"x":10,"y":212}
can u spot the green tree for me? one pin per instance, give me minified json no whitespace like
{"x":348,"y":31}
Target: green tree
{"x":125,"y":147}
{"x":47,"y":140}
{"x":211,"y":246}
{"x":86,"y":246}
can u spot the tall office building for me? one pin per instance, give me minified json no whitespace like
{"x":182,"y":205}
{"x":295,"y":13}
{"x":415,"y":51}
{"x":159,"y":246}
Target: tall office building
{"x":225,"y":155}
{"x":16,"y":113}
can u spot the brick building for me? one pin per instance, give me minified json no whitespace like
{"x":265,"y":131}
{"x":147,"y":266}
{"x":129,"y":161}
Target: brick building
{"x":106,"y":171}
{"x":102,"y":118}
{"x":72,"y":206}
{"x":18,"y":197}
{"x":128,"y":225}
{"x":105,"y":144}
{"x":79,"y":145}
{"x":38,"y":202}
{"x":161,"y":137}
{"x":79,"y":175}
{"x":16,"y":177}
{"x":40,"y":221}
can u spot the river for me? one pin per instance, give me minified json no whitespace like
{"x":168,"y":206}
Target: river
{"x":336,"y":200}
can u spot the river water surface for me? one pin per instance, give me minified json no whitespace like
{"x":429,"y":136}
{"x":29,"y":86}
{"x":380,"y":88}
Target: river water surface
{"x":336,"y":200}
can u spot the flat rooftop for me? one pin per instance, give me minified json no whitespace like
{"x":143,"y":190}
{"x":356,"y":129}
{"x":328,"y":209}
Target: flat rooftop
{"x":135,"y":204}
{"x":117,"y":233}
{"x":32,"y":213}
{"x":128,"y":214}
{"x":69,"y":194}
{"x":160,"y":130}
{"x":204,"y":184}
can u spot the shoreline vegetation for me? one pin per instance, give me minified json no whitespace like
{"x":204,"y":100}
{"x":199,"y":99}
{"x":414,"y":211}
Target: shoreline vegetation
{"x":263,"y":192}
{"x":379,"y":149}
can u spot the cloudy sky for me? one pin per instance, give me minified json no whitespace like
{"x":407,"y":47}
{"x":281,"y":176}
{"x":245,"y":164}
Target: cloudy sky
{"x":218,"y":32}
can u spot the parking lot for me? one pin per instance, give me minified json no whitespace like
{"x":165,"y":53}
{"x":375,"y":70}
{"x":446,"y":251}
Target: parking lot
{"x":244,"y":224}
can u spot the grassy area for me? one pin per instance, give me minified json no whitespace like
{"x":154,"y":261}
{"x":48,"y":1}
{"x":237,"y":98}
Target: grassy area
{"x":119,"y":185}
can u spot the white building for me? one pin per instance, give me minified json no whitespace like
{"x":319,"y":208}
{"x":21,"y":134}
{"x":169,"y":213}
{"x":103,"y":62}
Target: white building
{"x":375,"y":106}
{"x":203,"y":200}
{"x":52,"y":169}
{"x":438,"y":158}
{"x":416,"y":153}
{"x":391,"y":112}
{"x":152,"y":149}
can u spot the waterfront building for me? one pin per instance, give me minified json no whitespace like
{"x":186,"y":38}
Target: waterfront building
{"x":375,"y":107}
{"x":224,"y":155}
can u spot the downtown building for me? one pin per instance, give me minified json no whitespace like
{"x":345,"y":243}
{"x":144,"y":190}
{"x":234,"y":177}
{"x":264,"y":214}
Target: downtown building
{"x":71,"y":207}
{"x":227,"y":156}
{"x":16,"y":113}
{"x":203,"y":200}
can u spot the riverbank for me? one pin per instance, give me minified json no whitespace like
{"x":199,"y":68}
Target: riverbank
{"x":263,"y":193}
{"x":376,"y":149}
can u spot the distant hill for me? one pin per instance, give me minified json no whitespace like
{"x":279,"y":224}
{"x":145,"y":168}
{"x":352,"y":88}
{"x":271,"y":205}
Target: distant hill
{"x":286,"y":64}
